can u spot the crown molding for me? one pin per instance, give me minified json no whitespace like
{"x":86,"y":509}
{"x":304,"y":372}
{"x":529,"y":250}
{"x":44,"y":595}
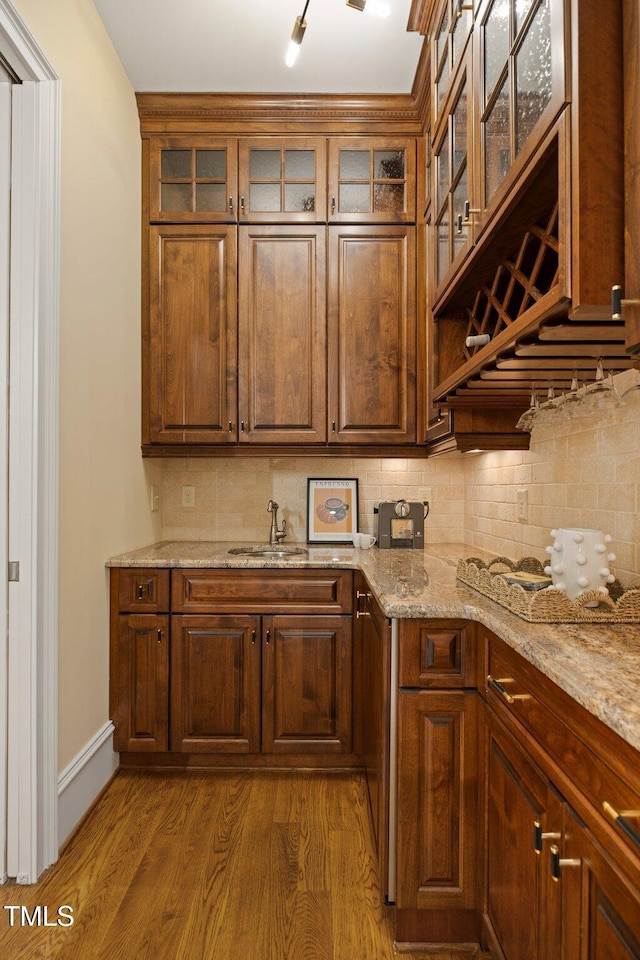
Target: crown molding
{"x":235,"y":113}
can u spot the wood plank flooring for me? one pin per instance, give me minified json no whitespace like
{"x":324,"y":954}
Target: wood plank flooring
{"x":213,"y":866}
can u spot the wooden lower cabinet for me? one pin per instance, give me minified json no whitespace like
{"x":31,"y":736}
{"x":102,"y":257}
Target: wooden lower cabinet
{"x":139,"y":682}
{"x":250,"y":684}
{"x":260,"y":663}
{"x":438,"y":889}
{"x":601,"y":908}
{"x":215,"y":684}
{"x":524,"y":818}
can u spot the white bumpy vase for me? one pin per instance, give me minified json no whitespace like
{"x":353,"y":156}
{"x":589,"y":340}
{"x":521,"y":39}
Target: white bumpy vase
{"x":580,"y":561}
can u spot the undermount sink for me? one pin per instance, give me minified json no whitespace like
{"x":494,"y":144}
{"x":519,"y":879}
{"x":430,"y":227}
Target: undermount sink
{"x":274,"y":552}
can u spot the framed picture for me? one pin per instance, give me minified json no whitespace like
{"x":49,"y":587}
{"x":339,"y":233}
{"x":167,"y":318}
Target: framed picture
{"x":332,"y":510}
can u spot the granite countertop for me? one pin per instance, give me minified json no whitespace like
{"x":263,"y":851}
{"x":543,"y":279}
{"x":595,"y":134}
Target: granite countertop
{"x":596,"y":664}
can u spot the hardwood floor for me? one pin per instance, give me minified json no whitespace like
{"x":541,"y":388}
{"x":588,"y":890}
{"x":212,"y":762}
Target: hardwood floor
{"x":212,"y":866}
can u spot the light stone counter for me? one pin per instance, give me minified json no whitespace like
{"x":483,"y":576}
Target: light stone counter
{"x":596,"y":664}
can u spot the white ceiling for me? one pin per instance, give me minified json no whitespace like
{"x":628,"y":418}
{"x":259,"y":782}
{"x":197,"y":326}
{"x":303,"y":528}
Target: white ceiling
{"x":239,"y":46}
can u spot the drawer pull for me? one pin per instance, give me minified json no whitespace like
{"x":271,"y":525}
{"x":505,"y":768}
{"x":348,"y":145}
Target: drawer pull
{"x":159,"y":636}
{"x":253,"y":636}
{"x":557,"y":863}
{"x":539,"y":836}
{"x":622,"y":822}
{"x":140,"y":592}
{"x":498,"y":685}
{"x":268,"y":637}
{"x":362,"y":596}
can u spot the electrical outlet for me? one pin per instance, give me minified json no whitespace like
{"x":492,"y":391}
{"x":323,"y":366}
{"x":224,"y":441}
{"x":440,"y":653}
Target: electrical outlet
{"x":522,"y":500}
{"x":188,"y":496}
{"x":154,"y":498}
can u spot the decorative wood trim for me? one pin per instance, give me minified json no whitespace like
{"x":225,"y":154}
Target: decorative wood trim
{"x":421,"y":89}
{"x":248,"y":113}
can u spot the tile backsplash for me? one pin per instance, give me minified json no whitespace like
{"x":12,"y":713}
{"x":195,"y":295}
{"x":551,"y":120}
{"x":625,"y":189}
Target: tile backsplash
{"x":231,"y":494}
{"x":579,"y":473}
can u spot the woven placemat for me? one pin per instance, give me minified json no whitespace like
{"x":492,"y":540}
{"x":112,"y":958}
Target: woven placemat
{"x":547,"y":605}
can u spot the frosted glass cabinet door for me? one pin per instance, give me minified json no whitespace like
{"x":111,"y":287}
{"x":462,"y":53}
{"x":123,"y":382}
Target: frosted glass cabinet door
{"x":522,"y":51}
{"x":372,"y":180}
{"x":283,"y":180}
{"x":192,"y":180}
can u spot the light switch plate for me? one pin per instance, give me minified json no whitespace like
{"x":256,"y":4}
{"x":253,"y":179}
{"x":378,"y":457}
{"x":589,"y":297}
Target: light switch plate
{"x":523,"y":505}
{"x":188,"y":496}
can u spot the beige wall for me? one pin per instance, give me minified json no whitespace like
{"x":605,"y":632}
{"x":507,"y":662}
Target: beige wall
{"x":103,"y":482}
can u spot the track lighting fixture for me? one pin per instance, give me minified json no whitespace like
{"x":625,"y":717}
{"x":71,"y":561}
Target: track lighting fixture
{"x":297,"y":35}
{"x":377,"y":8}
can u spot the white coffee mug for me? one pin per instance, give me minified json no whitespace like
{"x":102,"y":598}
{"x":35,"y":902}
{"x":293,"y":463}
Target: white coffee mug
{"x":363,"y":540}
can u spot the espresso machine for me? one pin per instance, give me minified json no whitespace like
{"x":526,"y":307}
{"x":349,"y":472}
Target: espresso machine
{"x":401,"y":524}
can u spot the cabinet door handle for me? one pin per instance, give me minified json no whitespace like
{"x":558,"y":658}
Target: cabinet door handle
{"x":230,"y":204}
{"x":557,"y":863}
{"x":242,"y":204}
{"x":230,"y":426}
{"x":539,"y":836}
{"x":333,"y":204}
{"x":497,"y":685}
{"x":253,"y":636}
{"x":140,"y":592}
{"x":362,"y":596}
{"x":267,"y":638}
{"x":619,"y":817}
{"x":159,"y":636}
{"x":242,"y":426}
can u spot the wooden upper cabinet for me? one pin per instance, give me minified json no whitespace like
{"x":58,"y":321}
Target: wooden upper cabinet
{"x":372,"y":335}
{"x":192,"y":180}
{"x":189,"y":336}
{"x":283,"y":180}
{"x":282,"y":335}
{"x":372,"y":180}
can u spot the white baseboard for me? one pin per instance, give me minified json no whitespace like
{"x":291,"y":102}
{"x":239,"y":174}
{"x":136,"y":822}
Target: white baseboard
{"x":83,"y":779}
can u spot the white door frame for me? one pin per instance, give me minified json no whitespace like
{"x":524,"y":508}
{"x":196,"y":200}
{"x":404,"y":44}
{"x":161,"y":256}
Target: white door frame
{"x":32,"y":774}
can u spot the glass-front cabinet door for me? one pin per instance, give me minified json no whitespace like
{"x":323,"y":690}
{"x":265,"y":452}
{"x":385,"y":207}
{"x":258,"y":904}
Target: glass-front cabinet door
{"x":521,"y":54}
{"x":283,"y":180}
{"x":453,"y":225}
{"x":193,"y":182}
{"x":372,"y":180}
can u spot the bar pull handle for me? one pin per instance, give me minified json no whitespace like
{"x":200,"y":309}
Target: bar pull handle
{"x":159,"y":636}
{"x":267,"y":638}
{"x":242,"y":204}
{"x":539,"y":835}
{"x":230,"y":204}
{"x":333,"y":204}
{"x":362,"y":596}
{"x":498,"y":685}
{"x":140,"y":591}
{"x":620,"y":819}
{"x":230,"y":426}
{"x":557,"y":862}
{"x":253,"y":636}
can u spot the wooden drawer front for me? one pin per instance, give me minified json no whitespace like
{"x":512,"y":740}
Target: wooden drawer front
{"x":142,"y":590}
{"x":437,"y":653}
{"x":588,"y":756}
{"x":261,"y":591}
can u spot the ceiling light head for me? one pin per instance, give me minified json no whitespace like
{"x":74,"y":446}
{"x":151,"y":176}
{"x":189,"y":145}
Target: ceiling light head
{"x":297,"y":35}
{"x":377,"y":8}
